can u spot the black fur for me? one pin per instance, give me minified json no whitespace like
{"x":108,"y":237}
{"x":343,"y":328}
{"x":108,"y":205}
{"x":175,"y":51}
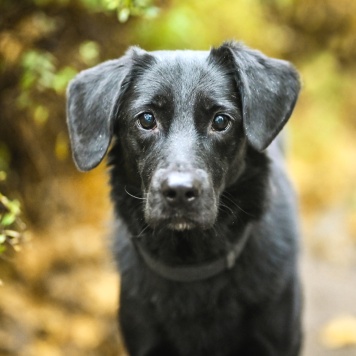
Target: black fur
{"x":222,"y":181}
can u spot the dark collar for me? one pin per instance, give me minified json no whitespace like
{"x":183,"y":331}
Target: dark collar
{"x":193,"y":273}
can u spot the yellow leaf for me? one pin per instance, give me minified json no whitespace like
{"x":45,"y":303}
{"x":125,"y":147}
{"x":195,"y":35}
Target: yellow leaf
{"x":339,"y":332}
{"x":61,"y":147}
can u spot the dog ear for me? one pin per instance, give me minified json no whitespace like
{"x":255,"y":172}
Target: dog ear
{"x":269,"y":90}
{"x":92,"y":105}
{"x":91,"y":99}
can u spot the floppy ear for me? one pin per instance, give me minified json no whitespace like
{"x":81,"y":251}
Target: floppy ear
{"x":269,"y":90}
{"x":92,"y":100}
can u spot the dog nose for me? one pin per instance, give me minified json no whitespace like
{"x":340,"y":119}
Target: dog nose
{"x":180,"y":188}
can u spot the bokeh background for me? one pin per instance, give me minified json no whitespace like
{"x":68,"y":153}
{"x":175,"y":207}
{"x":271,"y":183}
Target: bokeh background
{"x":59,"y":288}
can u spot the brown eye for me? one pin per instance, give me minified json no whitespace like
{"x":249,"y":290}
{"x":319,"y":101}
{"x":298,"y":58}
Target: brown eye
{"x":147,"y":121}
{"x":220,"y":122}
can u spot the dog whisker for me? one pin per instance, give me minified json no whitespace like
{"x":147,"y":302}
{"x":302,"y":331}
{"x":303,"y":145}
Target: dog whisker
{"x":224,"y":196}
{"x":227,"y":208}
{"x":133,"y":196}
{"x":142,"y":231}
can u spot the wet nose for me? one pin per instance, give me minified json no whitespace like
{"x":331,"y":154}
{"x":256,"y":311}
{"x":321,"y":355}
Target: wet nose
{"x":180,"y":188}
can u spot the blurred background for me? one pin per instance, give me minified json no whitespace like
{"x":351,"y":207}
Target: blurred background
{"x":59,"y":288}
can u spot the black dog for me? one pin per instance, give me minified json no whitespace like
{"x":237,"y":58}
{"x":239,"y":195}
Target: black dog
{"x":207,"y":235}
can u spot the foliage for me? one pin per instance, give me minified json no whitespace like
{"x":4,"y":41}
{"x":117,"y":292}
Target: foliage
{"x":10,"y":222}
{"x":123,"y":8}
{"x":127,"y":8}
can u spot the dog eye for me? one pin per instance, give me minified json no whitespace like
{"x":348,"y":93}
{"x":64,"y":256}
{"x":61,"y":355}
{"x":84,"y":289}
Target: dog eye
{"x":147,"y":121}
{"x":220,"y":122}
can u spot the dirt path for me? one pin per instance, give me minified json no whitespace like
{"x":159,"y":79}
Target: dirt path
{"x":330,"y":292}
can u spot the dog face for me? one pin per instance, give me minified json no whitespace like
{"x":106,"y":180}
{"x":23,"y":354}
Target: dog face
{"x":182,"y":123}
{"x":184,"y":120}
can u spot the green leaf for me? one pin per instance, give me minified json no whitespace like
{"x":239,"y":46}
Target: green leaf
{"x":41,"y":115}
{"x":14,"y":207}
{"x":62,"y":78}
{"x":111,"y":4}
{"x":89,"y":52}
{"x":152,"y":12}
{"x":28,"y":80}
{"x":8,"y":219}
{"x":23,"y":100}
{"x":2,"y":238}
{"x":38,"y":70}
{"x":123,"y":14}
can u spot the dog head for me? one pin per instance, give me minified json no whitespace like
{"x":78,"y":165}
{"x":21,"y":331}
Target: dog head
{"x":183,"y":120}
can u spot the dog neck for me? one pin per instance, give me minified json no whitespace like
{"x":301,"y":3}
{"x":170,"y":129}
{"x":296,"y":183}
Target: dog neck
{"x":195,"y":272}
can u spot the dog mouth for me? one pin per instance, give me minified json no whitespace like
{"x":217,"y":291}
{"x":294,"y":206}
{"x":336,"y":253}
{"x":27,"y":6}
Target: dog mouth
{"x":180,"y":225}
